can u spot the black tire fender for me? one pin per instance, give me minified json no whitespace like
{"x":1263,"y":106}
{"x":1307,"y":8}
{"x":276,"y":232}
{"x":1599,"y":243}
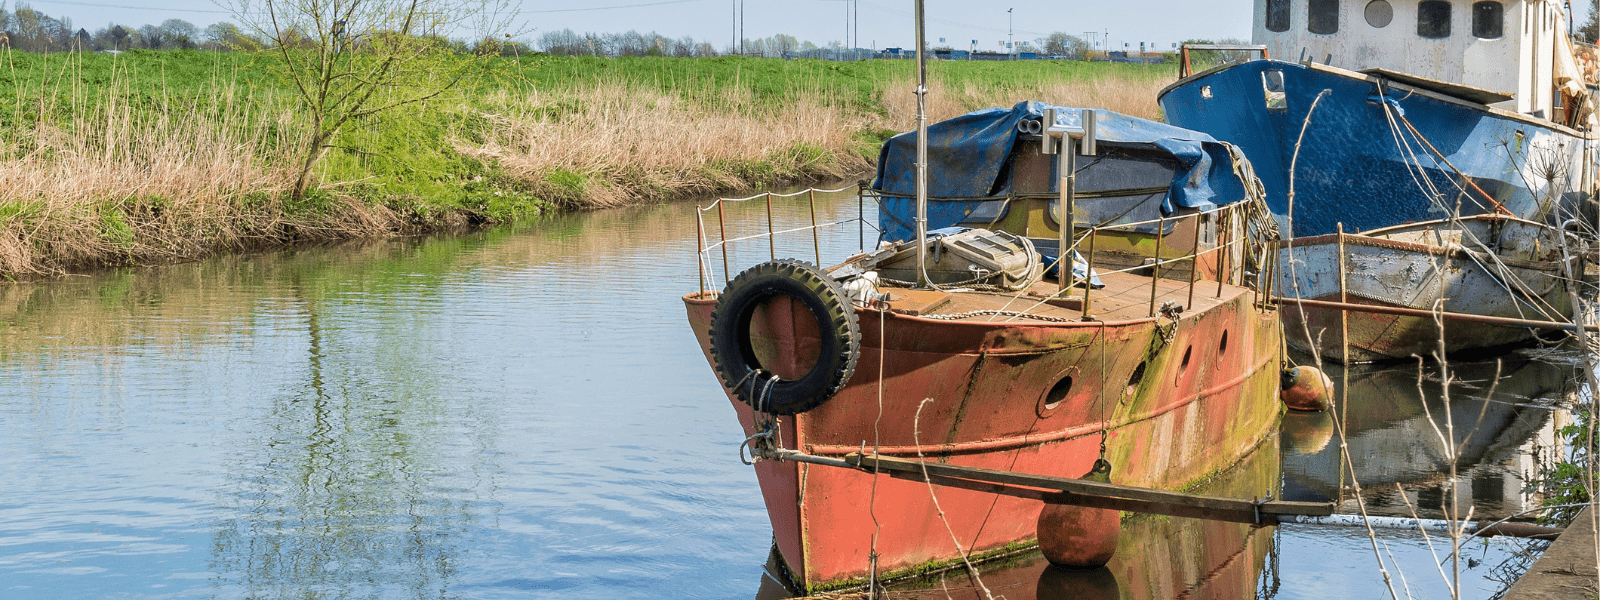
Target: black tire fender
{"x":735,"y":360}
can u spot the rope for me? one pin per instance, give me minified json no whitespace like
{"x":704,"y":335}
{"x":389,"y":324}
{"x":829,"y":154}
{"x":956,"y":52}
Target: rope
{"x":916,"y":423}
{"x":872,"y":503}
{"x":987,"y":312}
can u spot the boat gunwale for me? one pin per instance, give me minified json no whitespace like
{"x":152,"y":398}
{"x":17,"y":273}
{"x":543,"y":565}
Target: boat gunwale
{"x":1392,"y":84}
{"x":1456,"y":251}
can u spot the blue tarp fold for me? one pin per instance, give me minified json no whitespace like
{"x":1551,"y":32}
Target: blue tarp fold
{"x":967,"y":157}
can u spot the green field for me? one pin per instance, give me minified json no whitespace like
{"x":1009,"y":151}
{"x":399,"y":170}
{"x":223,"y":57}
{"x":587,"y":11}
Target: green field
{"x":151,"y":156}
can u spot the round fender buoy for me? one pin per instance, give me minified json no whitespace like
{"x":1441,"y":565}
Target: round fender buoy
{"x":734,"y":354}
{"x":1306,"y":388}
{"x":1080,"y":537}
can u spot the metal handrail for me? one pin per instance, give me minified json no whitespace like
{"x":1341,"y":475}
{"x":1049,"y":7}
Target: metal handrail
{"x":1227,"y":243}
{"x":705,"y":247}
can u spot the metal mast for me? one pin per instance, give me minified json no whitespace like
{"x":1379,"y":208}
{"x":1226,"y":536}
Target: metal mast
{"x":922,"y":152}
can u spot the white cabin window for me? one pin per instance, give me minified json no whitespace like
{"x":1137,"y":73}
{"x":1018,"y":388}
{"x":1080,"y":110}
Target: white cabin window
{"x":1488,"y":20}
{"x":1278,"y":15}
{"x":1433,"y":19}
{"x":1322,"y":16}
{"x":1379,"y":13}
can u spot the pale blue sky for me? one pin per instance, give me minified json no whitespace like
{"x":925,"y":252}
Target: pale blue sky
{"x":883,"y":23}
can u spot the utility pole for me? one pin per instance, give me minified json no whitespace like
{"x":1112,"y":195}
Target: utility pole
{"x":1011,"y":50}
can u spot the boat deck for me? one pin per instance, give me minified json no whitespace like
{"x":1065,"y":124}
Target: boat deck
{"x":1125,"y":297}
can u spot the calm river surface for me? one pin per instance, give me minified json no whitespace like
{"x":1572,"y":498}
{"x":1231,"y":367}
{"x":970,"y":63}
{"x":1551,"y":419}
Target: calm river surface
{"x":523,"y":413}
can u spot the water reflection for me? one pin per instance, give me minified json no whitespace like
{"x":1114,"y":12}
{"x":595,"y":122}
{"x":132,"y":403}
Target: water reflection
{"x":509,"y":413}
{"x":1500,"y":415}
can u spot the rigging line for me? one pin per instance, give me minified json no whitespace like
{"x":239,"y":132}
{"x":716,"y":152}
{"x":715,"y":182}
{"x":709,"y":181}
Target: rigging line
{"x":1316,"y":352}
{"x":1418,"y":134}
{"x":916,"y":421}
{"x":1501,"y":275}
{"x":872,"y":503}
{"x":1425,"y":183}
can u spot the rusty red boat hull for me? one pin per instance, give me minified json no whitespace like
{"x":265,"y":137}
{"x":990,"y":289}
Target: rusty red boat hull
{"x":974,"y":393}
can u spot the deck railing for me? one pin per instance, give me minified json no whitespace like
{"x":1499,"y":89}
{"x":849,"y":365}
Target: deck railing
{"x":1240,"y":243}
{"x":703,"y":255}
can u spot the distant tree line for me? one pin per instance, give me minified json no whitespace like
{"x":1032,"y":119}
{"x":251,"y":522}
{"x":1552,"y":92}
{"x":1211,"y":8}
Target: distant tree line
{"x":23,"y":28}
{"x":566,"y":42}
{"x":26,"y":29}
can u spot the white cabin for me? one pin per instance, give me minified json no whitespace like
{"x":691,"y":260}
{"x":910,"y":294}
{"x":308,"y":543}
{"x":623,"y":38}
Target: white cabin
{"x":1509,"y":46}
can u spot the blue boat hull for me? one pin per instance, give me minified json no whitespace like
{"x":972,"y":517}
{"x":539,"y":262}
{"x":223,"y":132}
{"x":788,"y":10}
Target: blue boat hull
{"x":1363,"y":166}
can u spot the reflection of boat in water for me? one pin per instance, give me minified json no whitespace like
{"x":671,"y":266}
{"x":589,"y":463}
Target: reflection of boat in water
{"x":1392,"y":441}
{"x":989,"y":367}
{"x":1157,"y":557}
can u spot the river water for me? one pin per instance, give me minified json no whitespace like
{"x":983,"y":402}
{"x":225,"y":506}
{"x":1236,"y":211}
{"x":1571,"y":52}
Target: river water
{"x":523,"y":413}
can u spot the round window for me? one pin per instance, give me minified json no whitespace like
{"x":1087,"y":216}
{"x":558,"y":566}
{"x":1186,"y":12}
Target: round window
{"x":1379,"y":13}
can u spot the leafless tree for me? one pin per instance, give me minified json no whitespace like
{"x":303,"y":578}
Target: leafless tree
{"x":349,"y":59}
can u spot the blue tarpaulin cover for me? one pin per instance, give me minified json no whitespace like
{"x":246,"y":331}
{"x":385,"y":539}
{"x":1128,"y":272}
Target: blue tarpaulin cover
{"x":967,"y":156}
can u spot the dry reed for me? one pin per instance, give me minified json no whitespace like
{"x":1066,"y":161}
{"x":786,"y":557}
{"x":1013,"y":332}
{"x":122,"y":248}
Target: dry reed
{"x":1133,"y":96}
{"x":113,"y":182}
{"x":626,"y":143}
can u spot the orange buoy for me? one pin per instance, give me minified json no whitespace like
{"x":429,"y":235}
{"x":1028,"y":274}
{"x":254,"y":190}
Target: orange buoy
{"x":1077,"y":536}
{"x":1306,"y":388}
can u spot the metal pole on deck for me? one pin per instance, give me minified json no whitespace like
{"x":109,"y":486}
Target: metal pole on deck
{"x":1225,"y":243}
{"x":1088,"y":281}
{"x":861,"y":217}
{"x":1155,"y":269}
{"x":722,"y":224}
{"x":816,"y":242}
{"x":1194,"y":262}
{"x":1344,"y":316}
{"x":772,"y":238}
{"x":1067,"y":164}
{"x":922,"y":151}
{"x":700,"y":245}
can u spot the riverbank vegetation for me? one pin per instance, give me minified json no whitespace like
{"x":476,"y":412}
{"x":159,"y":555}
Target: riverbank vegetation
{"x":152,"y":156}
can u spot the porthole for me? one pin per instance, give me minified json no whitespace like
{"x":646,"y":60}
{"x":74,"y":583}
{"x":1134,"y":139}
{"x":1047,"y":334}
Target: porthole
{"x":1433,"y":19}
{"x":1322,"y":16}
{"x":1134,"y":380}
{"x":1379,"y":13}
{"x":1278,"y":15}
{"x":1058,"y":393}
{"x":1488,"y":20}
{"x":1222,"y":346}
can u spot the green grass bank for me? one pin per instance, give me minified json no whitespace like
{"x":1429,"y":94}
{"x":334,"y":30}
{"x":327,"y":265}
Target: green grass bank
{"x":149,"y":157}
